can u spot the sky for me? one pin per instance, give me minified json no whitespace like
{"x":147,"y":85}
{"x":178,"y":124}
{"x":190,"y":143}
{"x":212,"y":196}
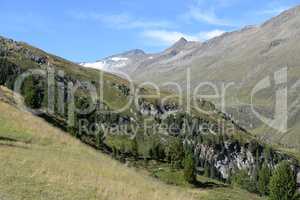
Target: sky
{"x":93,"y":29}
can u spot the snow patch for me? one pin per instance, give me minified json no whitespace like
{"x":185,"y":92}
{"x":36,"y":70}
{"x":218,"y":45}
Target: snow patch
{"x":117,"y":59}
{"x":109,"y":64}
{"x":96,"y":65}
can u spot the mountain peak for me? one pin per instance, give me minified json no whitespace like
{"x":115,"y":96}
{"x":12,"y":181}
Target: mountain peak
{"x":181,"y":41}
{"x":179,"y":44}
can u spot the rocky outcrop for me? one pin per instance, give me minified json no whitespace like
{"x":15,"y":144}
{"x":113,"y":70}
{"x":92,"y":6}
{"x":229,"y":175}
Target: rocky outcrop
{"x":231,"y":156}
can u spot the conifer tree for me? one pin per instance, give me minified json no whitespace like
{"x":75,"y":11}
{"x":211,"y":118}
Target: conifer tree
{"x":135,"y":149}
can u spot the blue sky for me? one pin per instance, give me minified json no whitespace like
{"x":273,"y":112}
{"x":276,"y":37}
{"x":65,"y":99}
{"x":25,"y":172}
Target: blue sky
{"x":92,"y":29}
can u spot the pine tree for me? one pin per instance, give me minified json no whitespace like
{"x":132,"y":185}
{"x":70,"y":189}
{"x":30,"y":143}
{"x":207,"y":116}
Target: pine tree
{"x":283,"y":183}
{"x":189,"y":168}
{"x":206,"y":169}
{"x":264,"y":180}
{"x":99,"y":140}
{"x":115,"y":152}
{"x":151,"y":153}
{"x":122,"y":149}
{"x":267,"y":153}
{"x":213,"y":173}
{"x":256,"y":167}
{"x":33,"y":93}
{"x":135,"y":149}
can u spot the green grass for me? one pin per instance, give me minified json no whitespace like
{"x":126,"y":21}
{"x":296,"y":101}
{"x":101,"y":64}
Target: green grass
{"x":9,"y":132}
{"x":211,"y":189}
{"x":164,"y":173}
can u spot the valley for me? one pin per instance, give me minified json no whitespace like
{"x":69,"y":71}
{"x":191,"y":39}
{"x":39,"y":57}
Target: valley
{"x":207,"y":120}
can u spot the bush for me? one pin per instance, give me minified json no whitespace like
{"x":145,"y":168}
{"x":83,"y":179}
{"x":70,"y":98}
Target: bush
{"x":175,"y":153}
{"x":244,"y":181}
{"x":99,"y":140}
{"x":189,"y":168}
{"x":264,"y":180}
{"x":157,"y":151}
{"x":283,"y":183}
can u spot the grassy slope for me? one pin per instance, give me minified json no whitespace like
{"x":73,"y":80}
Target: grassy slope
{"x":39,"y":161}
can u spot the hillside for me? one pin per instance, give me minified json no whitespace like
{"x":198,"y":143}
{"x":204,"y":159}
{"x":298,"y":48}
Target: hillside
{"x":42,"y":162}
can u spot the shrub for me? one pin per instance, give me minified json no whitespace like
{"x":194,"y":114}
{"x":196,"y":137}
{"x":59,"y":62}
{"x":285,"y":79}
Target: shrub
{"x":283,"y":183}
{"x":264,"y":180}
{"x":189,"y":168}
{"x":175,"y":153}
{"x":244,"y":181}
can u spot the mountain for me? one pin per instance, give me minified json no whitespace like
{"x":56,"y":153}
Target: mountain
{"x":243,"y":58}
{"x":131,"y":62}
{"x":117,"y":62}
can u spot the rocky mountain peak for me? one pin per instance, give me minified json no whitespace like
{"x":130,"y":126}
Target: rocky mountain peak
{"x":182,"y":40}
{"x":180,"y":43}
{"x":177,"y":47}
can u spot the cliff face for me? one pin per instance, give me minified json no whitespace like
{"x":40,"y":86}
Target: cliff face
{"x":234,"y":156}
{"x":234,"y":159}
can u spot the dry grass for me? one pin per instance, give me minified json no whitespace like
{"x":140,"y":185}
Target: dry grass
{"x":48,"y":164}
{"x":39,"y":161}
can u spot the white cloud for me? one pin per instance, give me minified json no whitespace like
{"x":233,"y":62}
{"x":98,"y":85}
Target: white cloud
{"x":210,"y":34}
{"x":205,"y":12}
{"x":166,"y":38}
{"x":208,"y":16}
{"x":121,"y":21}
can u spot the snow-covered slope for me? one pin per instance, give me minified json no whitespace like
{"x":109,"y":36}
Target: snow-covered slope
{"x":117,"y":62}
{"x":108,"y":64}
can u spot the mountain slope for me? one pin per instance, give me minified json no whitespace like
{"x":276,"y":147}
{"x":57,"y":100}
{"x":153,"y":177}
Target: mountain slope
{"x":117,"y":62}
{"x":132,"y":62}
{"x":42,"y":162}
{"x":243,"y":58}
